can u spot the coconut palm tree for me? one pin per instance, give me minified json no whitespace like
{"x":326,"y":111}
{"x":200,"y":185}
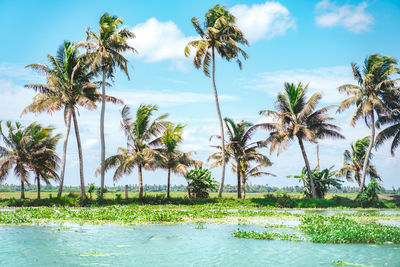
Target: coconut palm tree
{"x":370,"y":95}
{"x":247,"y":169}
{"x":14,"y":153}
{"x":143,"y":135}
{"x":106,"y":50}
{"x":69,"y":85}
{"x":297,"y":119}
{"x":170,"y":157}
{"x":221,"y":35}
{"x":241,"y":149}
{"x":354,"y":160}
{"x":43,"y":159}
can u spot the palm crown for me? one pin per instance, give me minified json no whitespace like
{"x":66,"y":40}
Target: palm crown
{"x":220,"y":33}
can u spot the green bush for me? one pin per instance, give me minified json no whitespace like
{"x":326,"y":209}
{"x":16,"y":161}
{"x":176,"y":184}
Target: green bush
{"x":200,"y":182}
{"x":369,"y":197}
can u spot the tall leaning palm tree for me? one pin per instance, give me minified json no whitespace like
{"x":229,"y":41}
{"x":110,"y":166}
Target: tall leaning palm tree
{"x":14,"y":153}
{"x":239,"y":147}
{"x":69,"y":85}
{"x":297,"y":118}
{"x":43,"y":159}
{"x":143,"y":135}
{"x":354,"y":160}
{"x":370,"y":95}
{"x":170,"y":157}
{"x":218,"y":35}
{"x":105,"y":50}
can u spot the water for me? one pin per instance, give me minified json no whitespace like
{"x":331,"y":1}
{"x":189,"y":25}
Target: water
{"x":173,"y":245}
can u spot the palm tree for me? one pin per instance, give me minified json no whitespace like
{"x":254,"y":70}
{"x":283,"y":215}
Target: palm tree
{"x":297,"y":118}
{"x":106,"y":52}
{"x":372,"y":93}
{"x":354,"y":160}
{"x":43,"y":159}
{"x":14,"y":153}
{"x":246,"y":169}
{"x":143,"y":135}
{"x":171,"y":158}
{"x":69,"y":85}
{"x":239,"y":148}
{"x":221,"y":35}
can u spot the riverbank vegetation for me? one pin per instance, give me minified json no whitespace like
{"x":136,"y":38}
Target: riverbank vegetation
{"x":272,"y":200}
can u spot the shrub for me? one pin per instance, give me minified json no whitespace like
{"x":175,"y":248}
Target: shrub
{"x":200,"y":182}
{"x":370,"y":195}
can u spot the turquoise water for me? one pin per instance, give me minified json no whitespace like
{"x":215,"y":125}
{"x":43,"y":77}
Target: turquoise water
{"x":173,"y":245}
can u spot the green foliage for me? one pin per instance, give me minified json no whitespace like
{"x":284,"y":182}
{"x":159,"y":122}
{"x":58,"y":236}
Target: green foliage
{"x":91,"y":190}
{"x":200,"y":182}
{"x":323,"y":181}
{"x":265,"y":235}
{"x":340,"y":229}
{"x":370,"y":195}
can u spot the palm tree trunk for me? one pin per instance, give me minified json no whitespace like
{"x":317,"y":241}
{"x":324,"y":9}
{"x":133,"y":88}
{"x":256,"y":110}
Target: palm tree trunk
{"x":367,"y":155}
{"x":64,"y":156}
{"x":169,"y":181}
{"x":303,"y":151}
{"x":140,"y":181}
{"x":38,"y":185}
{"x":78,"y":141}
{"x":103,"y":143}
{"x":317,"y":156}
{"x":239,"y":194}
{"x":22,"y":189}
{"x":221,"y":125}
{"x":244,"y":186}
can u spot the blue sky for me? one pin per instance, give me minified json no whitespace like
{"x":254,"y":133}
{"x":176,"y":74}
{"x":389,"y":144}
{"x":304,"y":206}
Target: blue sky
{"x":308,"y":41}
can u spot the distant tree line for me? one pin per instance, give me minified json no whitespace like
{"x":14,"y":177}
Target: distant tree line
{"x":183,"y":188}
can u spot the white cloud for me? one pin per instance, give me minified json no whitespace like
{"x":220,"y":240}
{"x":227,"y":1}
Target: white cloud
{"x":157,"y":41}
{"x":321,"y":79}
{"x":352,"y":17}
{"x":167,"y":98}
{"x":90,"y":143}
{"x":11,"y":70}
{"x":263,"y":21}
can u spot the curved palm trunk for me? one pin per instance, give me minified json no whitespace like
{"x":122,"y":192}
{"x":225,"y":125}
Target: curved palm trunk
{"x":64,"y":156}
{"x":140,"y":181}
{"x":309,"y":173}
{"x":38,"y":185}
{"x":221,"y":125}
{"x":169,"y":182}
{"x":78,"y":141}
{"x":22,"y":189}
{"x":102,"y":140}
{"x":239,"y":194}
{"x":367,"y":155}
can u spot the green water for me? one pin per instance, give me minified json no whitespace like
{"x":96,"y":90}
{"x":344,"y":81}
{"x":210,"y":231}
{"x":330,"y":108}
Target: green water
{"x":173,"y":245}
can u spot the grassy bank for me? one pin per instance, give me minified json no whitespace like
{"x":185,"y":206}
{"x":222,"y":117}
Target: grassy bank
{"x":275,"y":200}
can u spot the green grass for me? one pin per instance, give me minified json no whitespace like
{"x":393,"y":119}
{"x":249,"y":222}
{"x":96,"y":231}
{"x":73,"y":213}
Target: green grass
{"x":340,"y":229}
{"x":10,"y":199}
